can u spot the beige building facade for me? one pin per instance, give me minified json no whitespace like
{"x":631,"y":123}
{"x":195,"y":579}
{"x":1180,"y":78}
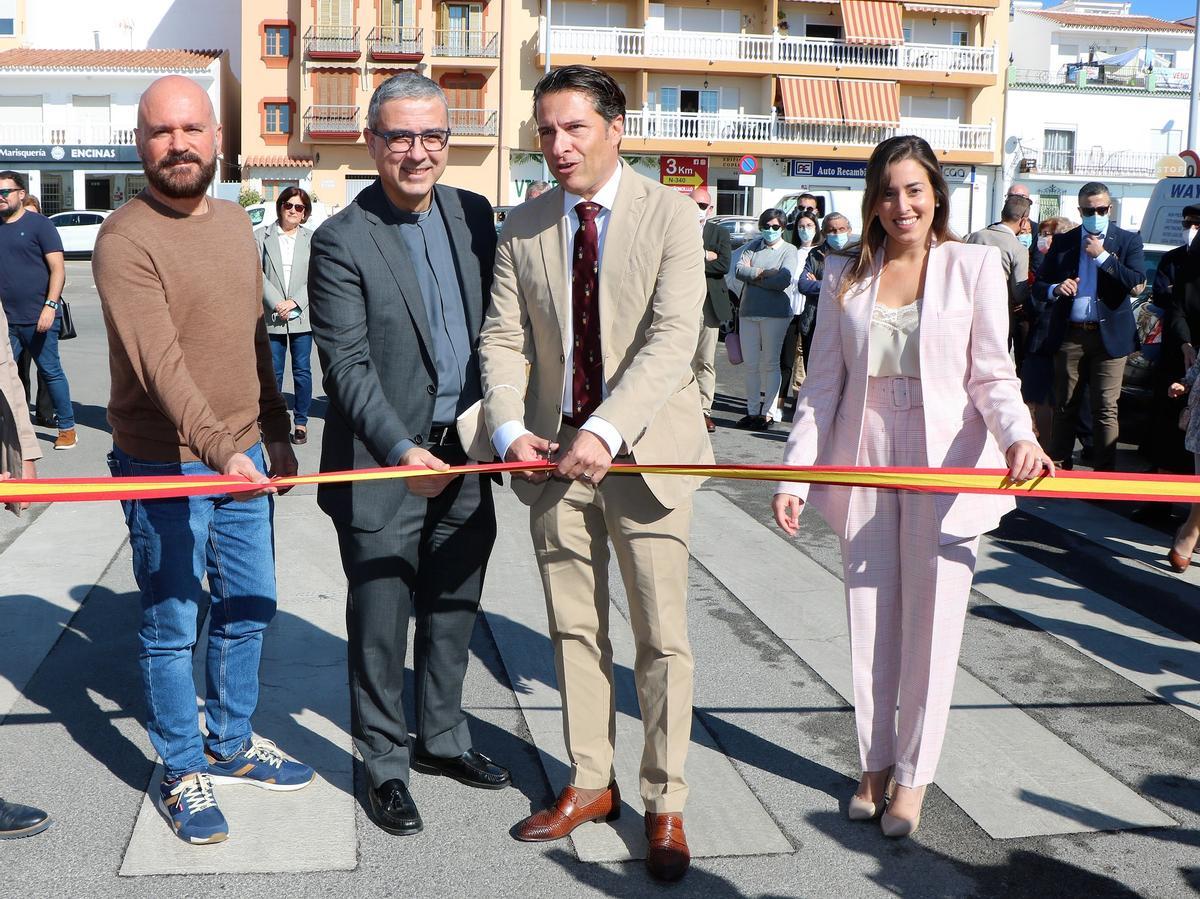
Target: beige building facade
{"x":804,"y":89}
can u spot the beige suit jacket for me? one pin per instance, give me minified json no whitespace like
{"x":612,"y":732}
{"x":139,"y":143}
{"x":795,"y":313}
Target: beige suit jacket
{"x":651,"y":290}
{"x":18,"y":442}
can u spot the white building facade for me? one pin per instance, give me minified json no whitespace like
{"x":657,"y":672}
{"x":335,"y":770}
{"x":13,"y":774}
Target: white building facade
{"x":1095,"y":93}
{"x":67,"y":118}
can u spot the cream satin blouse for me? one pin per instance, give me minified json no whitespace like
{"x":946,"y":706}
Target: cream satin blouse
{"x":895,"y":341}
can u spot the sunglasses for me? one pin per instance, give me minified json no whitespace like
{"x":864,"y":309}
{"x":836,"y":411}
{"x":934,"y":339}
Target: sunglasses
{"x":298,"y":207}
{"x":5,"y":191}
{"x":1095,"y":210}
{"x":808,"y":208}
{"x":704,"y":205}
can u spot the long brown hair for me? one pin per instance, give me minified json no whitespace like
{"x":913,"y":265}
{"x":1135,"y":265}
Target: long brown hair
{"x":891,"y":151}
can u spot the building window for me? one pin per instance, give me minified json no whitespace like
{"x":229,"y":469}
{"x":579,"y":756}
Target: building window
{"x":827,"y":32}
{"x":7,"y":27}
{"x":908,"y":33}
{"x":279,"y":120}
{"x":271,"y":189}
{"x":278,"y":40}
{"x":959,"y":38}
{"x":1058,"y":151}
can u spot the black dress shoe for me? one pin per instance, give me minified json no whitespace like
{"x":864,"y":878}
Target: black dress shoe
{"x":393,"y":809}
{"x":18,"y":821}
{"x":471,"y":768}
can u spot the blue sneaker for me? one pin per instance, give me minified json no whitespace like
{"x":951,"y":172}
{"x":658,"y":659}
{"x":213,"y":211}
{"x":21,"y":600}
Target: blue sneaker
{"x":262,"y":765}
{"x":191,"y":807}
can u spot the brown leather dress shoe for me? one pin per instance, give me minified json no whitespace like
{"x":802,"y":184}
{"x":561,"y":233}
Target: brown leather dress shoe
{"x":1177,"y":561}
{"x":668,"y":856}
{"x":709,"y":424}
{"x":566,"y":814}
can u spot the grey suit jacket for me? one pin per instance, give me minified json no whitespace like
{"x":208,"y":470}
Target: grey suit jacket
{"x":1014,"y":259}
{"x":274,"y":290}
{"x":372,"y":335}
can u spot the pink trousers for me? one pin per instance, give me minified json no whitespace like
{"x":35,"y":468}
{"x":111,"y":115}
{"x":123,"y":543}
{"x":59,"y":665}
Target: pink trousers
{"x":906,"y":596}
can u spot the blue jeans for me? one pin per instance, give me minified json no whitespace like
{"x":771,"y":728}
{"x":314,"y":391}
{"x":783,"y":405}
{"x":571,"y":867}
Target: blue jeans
{"x":44,"y":350}
{"x":175,"y":543}
{"x":301,"y":370}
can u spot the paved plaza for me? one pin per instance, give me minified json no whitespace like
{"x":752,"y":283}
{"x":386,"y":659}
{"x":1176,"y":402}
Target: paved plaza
{"x":1070,"y":767}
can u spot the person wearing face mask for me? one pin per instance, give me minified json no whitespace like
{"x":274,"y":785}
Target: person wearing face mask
{"x":767,"y":267}
{"x":1037,"y":365}
{"x":835,"y":237}
{"x":1084,"y":286}
{"x":717,"y":308}
{"x":909,"y":368}
{"x":791,"y":355}
{"x":1006,"y":236}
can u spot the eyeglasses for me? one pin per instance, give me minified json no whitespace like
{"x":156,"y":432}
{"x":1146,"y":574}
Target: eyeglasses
{"x":402,"y":141}
{"x":1095,"y":210}
{"x":298,"y":207}
{"x":704,"y":205}
{"x":5,"y":191}
{"x":808,"y":208}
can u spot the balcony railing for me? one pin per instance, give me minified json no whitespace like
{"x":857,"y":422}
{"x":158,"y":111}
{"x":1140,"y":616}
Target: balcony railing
{"x":332,"y":42}
{"x":738,"y":128}
{"x":1094,"y":78}
{"x":332,"y":121}
{"x":480,"y":44}
{"x":99,"y":134}
{"x":1095,"y":162}
{"x":395,"y":42}
{"x":473,"y":122}
{"x":712,"y":46}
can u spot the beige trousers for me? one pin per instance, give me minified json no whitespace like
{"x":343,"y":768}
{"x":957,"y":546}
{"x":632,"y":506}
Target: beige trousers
{"x":704,"y":363}
{"x":572,"y":526}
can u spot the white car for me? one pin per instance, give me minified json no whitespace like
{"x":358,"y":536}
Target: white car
{"x":78,"y":229}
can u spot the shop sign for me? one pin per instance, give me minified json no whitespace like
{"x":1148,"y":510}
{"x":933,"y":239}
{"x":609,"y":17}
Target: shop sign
{"x":68,"y":153}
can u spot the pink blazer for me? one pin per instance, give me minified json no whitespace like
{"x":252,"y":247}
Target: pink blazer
{"x":972,"y":398}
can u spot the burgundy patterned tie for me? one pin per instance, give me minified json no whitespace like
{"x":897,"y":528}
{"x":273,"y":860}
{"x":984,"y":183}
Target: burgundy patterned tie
{"x":588,"y":366}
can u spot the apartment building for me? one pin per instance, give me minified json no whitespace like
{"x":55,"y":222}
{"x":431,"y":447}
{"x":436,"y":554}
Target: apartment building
{"x":67,"y":118}
{"x":1095,"y":93}
{"x":804,"y":88}
{"x":310,"y":67}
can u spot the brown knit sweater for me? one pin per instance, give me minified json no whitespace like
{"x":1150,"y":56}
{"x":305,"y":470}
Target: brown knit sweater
{"x":188,"y":352}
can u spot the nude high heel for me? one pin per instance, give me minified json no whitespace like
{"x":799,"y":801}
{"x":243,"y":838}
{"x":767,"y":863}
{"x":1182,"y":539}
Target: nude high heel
{"x":864,"y":809}
{"x":896,"y":827}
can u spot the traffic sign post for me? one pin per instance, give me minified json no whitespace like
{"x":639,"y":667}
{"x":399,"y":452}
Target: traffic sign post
{"x":683,"y":173}
{"x":748,"y":165}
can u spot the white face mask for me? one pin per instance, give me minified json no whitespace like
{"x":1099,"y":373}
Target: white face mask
{"x":1043,"y":243}
{"x":806,"y":234}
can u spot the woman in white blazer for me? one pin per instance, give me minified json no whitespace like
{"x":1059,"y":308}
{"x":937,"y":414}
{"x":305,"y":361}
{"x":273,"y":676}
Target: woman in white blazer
{"x":909,"y":367}
{"x":283,"y":247}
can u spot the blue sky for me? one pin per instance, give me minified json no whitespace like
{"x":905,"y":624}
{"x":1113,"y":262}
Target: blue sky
{"x":1164,"y":9}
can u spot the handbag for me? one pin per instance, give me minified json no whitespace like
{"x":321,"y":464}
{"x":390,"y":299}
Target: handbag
{"x":66,"y":328}
{"x":733,"y":346}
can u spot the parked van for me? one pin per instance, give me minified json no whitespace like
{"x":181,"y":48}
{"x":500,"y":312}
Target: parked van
{"x":1163,"y":223}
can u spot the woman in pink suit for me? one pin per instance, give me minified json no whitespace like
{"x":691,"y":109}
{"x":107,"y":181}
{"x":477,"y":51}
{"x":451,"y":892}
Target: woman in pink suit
{"x":909,"y":367}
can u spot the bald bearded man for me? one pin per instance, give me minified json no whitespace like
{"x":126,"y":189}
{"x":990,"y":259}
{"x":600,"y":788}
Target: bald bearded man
{"x":717,"y":309}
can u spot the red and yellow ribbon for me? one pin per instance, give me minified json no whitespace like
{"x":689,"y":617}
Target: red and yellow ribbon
{"x":1072,"y":485}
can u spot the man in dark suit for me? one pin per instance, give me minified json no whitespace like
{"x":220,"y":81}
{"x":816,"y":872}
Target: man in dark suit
{"x":1083,"y":292}
{"x":717,"y":308}
{"x":397,"y":287}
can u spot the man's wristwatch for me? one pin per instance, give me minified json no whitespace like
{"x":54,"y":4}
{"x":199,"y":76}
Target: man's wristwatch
{"x":53,"y":304}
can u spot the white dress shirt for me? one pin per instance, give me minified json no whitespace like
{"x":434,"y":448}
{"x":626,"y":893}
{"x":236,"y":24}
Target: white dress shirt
{"x":287,"y":252}
{"x":508,"y":432}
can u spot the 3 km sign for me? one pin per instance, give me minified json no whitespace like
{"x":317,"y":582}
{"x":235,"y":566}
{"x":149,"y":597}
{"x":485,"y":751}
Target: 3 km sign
{"x":684,"y":173}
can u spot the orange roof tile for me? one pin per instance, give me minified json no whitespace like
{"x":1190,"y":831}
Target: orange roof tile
{"x":149,"y":60}
{"x":285,"y":162}
{"x":1111,"y":23}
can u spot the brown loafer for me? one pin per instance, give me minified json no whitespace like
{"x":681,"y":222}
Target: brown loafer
{"x":1177,"y":561}
{"x":710,"y":425}
{"x":667,"y":857}
{"x":566,"y":814}
{"x":300,"y":437}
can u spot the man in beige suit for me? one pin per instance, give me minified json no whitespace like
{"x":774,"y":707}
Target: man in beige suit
{"x":586,"y":357}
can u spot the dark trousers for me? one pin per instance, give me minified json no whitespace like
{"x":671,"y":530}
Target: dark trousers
{"x":1082,"y":361}
{"x":427,"y":563}
{"x":44,"y":406}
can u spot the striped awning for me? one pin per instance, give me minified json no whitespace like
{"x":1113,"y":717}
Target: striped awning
{"x":811,"y":99}
{"x":946,"y":9}
{"x":870,"y":101}
{"x":875,"y":22}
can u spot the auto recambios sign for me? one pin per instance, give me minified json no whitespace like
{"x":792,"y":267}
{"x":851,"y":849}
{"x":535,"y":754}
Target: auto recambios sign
{"x":67,"y":153}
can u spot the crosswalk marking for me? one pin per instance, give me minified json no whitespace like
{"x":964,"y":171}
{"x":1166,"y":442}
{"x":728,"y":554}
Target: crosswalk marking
{"x":304,"y":707}
{"x":723,"y":816}
{"x":1011,"y":775}
{"x":64,"y":552}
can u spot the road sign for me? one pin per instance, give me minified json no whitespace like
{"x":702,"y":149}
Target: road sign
{"x":748,"y":165}
{"x":684,"y":173}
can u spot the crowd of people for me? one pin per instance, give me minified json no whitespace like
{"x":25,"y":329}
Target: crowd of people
{"x":441,"y":342}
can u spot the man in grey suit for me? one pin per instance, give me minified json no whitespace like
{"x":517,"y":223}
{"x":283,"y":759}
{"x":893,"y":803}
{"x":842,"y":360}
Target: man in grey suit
{"x":396,"y":293}
{"x":1014,"y":257}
